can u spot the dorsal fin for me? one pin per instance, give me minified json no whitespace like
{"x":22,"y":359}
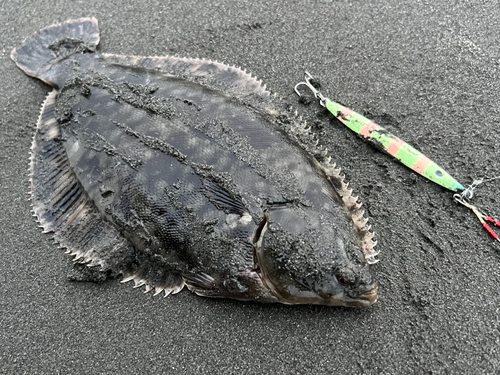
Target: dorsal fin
{"x":216,"y":75}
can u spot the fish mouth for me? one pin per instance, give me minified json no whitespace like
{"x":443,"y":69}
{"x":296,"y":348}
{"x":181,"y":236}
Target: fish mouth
{"x":365,"y":299}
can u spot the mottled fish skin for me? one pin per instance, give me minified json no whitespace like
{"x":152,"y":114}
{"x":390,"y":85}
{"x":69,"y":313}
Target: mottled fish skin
{"x":202,"y":177}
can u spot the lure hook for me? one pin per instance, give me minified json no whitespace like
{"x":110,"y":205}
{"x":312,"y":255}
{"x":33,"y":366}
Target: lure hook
{"x":469,"y":192}
{"x":307,"y":81}
{"x":464,"y":199}
{"x":404,"y":152}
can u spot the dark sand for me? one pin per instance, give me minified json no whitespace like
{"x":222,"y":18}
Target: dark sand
{"x":428,"y":71}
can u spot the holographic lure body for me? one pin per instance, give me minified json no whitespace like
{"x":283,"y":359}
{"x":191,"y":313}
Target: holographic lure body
{"x":405,"y":153}
{"x":386,"y":141}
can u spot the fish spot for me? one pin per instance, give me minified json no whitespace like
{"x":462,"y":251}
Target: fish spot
{"x":53,"y":132}
{"x":232,"y":220}
{"x":75,"y":147}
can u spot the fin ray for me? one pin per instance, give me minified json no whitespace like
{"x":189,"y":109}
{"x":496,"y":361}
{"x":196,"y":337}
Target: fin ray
{"x":214,"y":74}
{"x":62,"y":206}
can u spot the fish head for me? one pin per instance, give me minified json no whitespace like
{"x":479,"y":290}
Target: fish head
{"x":303,"y":261}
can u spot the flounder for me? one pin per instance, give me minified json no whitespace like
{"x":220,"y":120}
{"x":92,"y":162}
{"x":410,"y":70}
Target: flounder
{"x":176,"y":172}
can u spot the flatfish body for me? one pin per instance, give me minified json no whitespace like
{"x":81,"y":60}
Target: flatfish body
{"x":178,"y":172}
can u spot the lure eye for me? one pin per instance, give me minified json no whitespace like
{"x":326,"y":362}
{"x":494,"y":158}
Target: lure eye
{"x":344,"y":281}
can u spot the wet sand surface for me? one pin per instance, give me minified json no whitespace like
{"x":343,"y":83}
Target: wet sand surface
{"x":427,"y":71}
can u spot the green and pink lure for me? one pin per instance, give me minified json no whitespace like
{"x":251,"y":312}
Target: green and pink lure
{"x":389,"y":143}
{"x":404,"y":153}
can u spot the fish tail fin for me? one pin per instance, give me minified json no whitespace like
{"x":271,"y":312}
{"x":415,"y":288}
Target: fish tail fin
{"x":52,"y":44}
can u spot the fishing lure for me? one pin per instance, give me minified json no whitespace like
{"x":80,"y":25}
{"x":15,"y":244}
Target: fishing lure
{"x":404,"y":153}
{"x":384,"y":140}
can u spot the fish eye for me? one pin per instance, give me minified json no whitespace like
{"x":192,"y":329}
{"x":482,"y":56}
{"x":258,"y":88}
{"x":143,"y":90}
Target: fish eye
{"x":344,"y":281}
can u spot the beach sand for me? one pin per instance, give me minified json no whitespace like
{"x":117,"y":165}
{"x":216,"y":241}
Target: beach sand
{"x":427,"y":71}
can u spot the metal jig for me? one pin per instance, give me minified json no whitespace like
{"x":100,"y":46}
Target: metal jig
{"x":403,"y":152}
{"x":381,"y":138}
